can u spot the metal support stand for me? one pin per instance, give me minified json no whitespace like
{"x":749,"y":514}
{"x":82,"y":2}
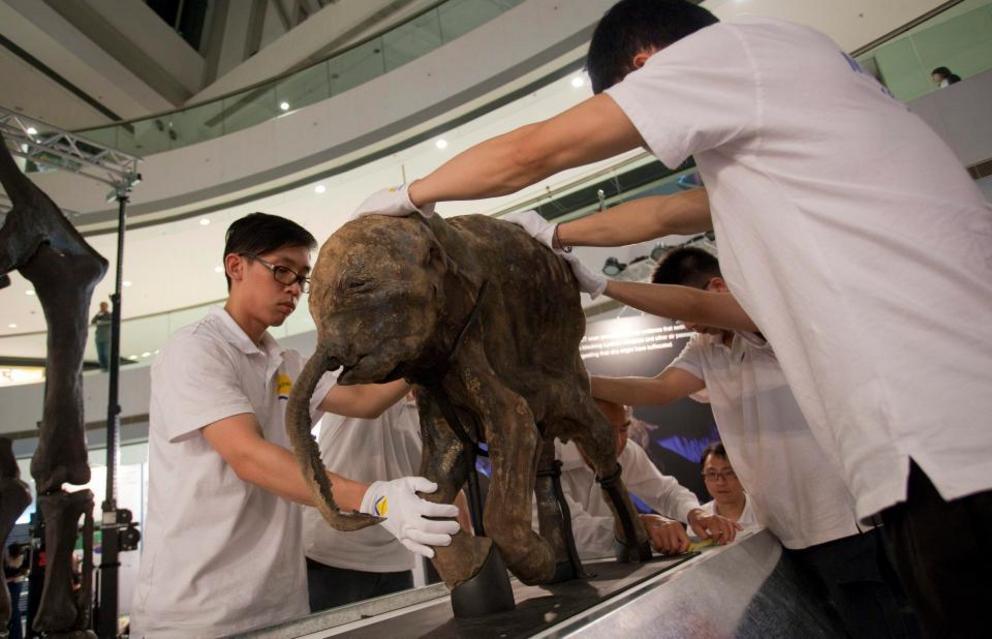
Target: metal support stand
{"x":106,"y":617}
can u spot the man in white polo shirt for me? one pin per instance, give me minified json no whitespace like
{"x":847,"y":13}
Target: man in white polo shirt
{"x":874,"y":289}
{"x":592,"y":519}
{"x":223,"y":546}
{"x":797,"y":491}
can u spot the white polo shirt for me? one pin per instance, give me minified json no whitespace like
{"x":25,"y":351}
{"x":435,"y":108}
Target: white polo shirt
{"x":873,"y":285}
{"x":799,"y":492}
{"x":592,"y":519}
{"x":365,"y":450}
{"x":219,"y":555}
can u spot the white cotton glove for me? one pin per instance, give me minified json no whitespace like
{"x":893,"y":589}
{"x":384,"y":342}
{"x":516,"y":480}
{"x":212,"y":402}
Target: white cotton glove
{"x":405,"y":513}
{"x":535,"y":225}
{"x":589,"y":282}
{"x":394,"y":202}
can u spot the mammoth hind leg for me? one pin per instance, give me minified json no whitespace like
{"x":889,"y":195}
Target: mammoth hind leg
{"x":59,"y":609}
{"x":595,"y":438}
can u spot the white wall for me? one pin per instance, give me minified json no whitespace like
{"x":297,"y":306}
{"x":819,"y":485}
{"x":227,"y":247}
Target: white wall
{"x":960,"y":114}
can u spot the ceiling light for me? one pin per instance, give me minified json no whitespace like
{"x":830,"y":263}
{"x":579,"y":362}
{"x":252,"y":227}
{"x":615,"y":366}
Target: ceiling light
{"x":32,"y":131}
{"x":146,"y":354}
{"x":284,"y":106}
{"x":11,"y":325}
{"x":132,"y":357}
{"x":30,"y":291}
{"x":578,"y":81}
{"x":204,"y":221}
{"x":218,"y":269}
{"x":126,"y":282}
{"x":441,"y":144}
{"x":320,"y":188}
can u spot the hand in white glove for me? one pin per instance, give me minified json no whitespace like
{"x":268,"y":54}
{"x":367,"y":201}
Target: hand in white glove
{"x":538,"y":227}
{"x":405,"y":513}
{"x":589,"y":282}
{"x":394,"y":202}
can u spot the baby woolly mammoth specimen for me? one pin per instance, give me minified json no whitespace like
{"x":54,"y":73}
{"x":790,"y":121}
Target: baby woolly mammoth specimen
{"x":487,"y":322}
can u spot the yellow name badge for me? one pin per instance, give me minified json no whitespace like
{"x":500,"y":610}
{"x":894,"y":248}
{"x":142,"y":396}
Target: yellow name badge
{"x":283,"y":385}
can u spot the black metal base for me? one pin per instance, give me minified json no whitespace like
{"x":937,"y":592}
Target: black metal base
{"x":631,"y":554}
{"x":565,"y":571}
{"x":488,"y":592}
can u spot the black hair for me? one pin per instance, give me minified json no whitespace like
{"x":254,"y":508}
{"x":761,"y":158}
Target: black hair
{"x":261,"y":233}
{"x":630,"y":27}
{"x":715,"y":448}
{"x":687,"y":266}
{"x":941,"y":71}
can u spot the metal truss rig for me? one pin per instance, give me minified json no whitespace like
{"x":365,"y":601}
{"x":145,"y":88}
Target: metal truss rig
{"x":52,"y":148}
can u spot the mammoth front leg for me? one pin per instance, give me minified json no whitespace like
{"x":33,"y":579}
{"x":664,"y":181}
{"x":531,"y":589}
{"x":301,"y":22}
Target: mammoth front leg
{"x":595,"y":438}
{"x":514,"y":449}
{"x":59,"y":611}
{"x":445,"y":461}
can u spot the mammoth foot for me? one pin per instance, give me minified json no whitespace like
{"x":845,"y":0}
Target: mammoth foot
{"x":487,"y":592}
{"x":59,"y":609}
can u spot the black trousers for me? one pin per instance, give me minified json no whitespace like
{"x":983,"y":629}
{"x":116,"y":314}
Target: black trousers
{"x":330,"y":587}
{"x":940,"y":549}
{"x":860,"y":587}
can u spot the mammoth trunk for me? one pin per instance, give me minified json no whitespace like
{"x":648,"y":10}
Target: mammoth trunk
{"x":308,"y":453}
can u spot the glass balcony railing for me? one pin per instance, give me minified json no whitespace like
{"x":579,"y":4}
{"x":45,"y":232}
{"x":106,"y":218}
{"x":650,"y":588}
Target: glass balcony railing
{"x":959,"y":38}
{"x":142,"y":337}
{"x":417,"y":36}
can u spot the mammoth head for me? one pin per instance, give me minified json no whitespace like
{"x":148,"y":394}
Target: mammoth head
{"x":378,"y":295}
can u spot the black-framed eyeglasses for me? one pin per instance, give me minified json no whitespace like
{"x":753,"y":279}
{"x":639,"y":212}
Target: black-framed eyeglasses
{"x":283,"y":274}
{"x":713,"y":475}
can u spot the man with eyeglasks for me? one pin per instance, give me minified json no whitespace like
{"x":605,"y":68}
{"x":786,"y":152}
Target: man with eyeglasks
{"x":223,"y":544}
{"x":729,"y":499}
{"x":798,"y":492}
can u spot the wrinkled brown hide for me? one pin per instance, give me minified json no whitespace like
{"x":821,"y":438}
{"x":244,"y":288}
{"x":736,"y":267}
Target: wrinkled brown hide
{"x":390,"y":297}
{"x":37,"y":240}
{"x":15,"y":496}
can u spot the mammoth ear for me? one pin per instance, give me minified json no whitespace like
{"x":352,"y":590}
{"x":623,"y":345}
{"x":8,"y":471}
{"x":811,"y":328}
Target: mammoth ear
{"x":436,"y":258}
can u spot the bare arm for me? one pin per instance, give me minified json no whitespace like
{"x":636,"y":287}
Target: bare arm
{"x":365,"y":401}
{"x":269,"y":466}
{"x":666,"y":387}
{"x":718,"y":310}
{"x":641,"y":220}
{"x":590,"y":131}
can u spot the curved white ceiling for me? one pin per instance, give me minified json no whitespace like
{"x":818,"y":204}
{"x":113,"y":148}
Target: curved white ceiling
{"x":172,"y":265}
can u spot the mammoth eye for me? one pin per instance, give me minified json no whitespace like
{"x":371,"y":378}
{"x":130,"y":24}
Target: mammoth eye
{"x":357,"y":283}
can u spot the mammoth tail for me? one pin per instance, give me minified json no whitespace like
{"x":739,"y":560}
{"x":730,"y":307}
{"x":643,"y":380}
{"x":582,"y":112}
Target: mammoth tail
{"x":298,"y":428}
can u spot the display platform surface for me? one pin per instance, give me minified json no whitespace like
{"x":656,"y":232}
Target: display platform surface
{"x":746,"y":589}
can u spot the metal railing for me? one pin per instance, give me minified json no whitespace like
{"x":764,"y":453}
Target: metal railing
{"x":332,"y":76}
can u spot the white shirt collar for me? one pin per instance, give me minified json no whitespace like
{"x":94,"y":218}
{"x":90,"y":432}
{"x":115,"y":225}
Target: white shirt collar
{"x":236,"y":336}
